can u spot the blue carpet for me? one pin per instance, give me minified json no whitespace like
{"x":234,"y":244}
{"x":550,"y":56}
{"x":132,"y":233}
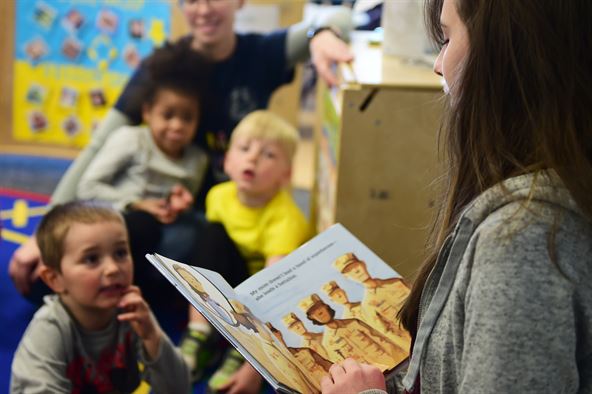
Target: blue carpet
{"x":35,"y":178}
{"x":14,"y":309}
{"x":31,"y":173}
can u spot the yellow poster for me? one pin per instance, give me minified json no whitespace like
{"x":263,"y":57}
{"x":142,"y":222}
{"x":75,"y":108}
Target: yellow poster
{"x":72,"y":58}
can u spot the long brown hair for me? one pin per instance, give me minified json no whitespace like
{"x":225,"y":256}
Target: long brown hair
{"x":523,"y":105}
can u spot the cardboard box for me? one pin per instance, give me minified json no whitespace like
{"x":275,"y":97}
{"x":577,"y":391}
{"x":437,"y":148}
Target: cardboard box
{"x":377,"y":154}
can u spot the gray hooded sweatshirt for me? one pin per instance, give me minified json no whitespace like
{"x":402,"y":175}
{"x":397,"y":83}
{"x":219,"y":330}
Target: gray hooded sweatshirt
{"x":508,"y":306}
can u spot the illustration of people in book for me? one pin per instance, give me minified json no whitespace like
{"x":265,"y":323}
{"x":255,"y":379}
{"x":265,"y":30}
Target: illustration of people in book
{"x":351,"y":310}
{"x":247,"y":335}
{"x":345,"y":338}
{"x":382,"y":298}
{"x":288,"y":371}
{"x":248,"y":331}
{"x":312,"y":340}
{"x":314,"y":363}
{"x":212,"y":305}
{"x":245,"y":317}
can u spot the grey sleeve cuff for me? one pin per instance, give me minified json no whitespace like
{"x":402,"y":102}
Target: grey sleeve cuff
{"x":167,"y":372}
{"x":337,"y":17}
{"x":123,"y":205}
{"x":66,"y":188}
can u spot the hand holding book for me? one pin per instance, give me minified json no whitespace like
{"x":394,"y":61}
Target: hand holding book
{"x":330,"y":300}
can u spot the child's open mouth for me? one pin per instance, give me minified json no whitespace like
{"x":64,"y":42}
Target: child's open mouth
{"x":112,"y":290}
{"x":249,"y":174}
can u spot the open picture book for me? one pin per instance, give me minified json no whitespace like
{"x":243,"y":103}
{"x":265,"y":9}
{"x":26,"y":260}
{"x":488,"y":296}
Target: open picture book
{"x":330,"y":299}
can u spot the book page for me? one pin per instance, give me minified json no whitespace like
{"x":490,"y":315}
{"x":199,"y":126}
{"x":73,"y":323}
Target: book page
{"x":213,"y":297}
{"x":331,"y":299}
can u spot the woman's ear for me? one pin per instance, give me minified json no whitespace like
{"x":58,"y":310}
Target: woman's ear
{"x":52,"y":278}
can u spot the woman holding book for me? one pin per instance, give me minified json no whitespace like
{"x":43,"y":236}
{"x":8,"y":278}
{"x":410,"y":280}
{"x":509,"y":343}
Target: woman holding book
{"x":503,"y":303}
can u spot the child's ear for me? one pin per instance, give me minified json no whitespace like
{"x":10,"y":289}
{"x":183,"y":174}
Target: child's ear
{"x":52,"y":278}
{"x":226,"y":164}
{"x":146,"y":112}
{"x":287,"y":178}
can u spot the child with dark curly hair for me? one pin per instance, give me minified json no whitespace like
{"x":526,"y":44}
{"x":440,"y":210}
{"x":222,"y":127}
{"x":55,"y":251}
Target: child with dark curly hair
{"x":152,"y":171}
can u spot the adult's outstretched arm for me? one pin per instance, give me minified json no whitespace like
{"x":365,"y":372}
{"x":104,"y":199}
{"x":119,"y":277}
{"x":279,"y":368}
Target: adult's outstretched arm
{"x":326,"y":48}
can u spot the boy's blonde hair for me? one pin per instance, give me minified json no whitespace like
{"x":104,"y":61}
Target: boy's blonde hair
{"x":54,"y":227}
{"x":268,"y":126}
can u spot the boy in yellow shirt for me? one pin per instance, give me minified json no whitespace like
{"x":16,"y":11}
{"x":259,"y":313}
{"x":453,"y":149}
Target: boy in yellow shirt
{"x":254,"y":222}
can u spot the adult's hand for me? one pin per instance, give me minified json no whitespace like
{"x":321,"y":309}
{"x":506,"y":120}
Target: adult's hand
{"x":351,"y":377}
{"x":327,"y":49}
{"x":24,"y":265}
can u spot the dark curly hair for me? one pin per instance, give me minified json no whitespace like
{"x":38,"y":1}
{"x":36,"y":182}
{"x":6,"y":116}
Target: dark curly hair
{"x":175,"y":66}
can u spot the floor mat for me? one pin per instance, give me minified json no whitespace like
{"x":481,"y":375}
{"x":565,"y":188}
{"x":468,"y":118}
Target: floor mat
{"x":25,"y":185}
{"x":20,"y":213}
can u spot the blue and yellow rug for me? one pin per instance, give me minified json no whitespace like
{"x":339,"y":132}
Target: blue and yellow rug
{"x":25,"y":185}
{"x":20,"y":214}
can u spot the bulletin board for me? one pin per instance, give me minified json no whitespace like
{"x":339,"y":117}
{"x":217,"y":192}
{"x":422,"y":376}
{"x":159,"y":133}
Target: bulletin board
{"x":72,"y":58}
{"x":17,"y":74}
